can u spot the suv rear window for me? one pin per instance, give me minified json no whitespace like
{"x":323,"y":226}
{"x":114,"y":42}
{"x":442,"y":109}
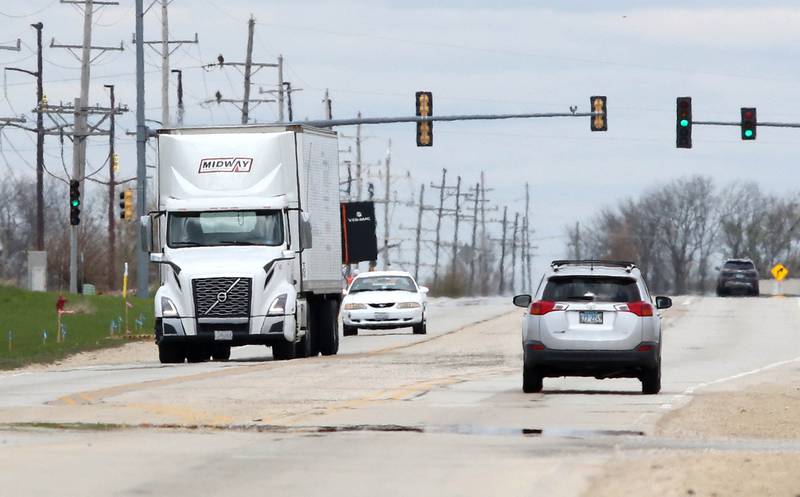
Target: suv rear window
{"x":593,"y":288}
{"x":746,"y":265}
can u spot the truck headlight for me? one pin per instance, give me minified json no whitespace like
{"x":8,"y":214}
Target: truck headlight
{"x":278,"y":306}
{"x":408,"y":305}
{"x":168,"y":309}
{"x":353,"y":307}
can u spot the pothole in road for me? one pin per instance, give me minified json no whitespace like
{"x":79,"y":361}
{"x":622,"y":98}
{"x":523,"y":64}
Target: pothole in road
{"x":458,"y":429}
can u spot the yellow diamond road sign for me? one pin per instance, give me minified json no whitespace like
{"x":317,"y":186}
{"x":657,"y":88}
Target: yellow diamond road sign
{"x":779,"y":271}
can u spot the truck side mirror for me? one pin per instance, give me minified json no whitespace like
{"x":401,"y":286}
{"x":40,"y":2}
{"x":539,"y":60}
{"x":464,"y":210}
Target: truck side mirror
{"x":306,"y":238}
{"x":145,"y":233}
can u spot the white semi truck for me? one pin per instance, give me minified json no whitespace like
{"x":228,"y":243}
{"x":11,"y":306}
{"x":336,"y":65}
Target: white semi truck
{"x":248,"y":238}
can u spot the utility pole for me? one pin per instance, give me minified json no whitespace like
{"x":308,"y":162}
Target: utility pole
{"x":527,"y":237}
{"x":471,"y":286}
{"x":419,"y":230}
{"x":439,"y":227}
{"x":143,"y":258}
{"x":38,"y":74}
{"x":250,"y":69}
{"x":280,"y":89}
{"x":482,"y":269}
{"x":387,"y":199}
{"x":165,"y":52}
{"x":112,"y":235}
{"x":514,"y":254}
{"x":81,"y":127}
{"x":328,"y":105}
{"x":503,"y":253}
{"x":180,"y":96}
{"x":455,"y":234}
{"x":359,"y":182}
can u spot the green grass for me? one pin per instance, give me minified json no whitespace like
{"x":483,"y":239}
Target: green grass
{"x":27,"y":314}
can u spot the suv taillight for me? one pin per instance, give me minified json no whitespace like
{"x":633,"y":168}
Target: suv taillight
{"x":542,"y":307}
{"x":641,"y":309}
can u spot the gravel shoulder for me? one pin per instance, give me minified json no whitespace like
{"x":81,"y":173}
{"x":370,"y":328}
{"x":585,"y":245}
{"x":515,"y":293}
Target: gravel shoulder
{"x":761,"y":407}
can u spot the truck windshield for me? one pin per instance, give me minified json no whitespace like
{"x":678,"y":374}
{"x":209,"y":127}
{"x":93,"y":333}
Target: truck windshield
{"x":210,"y":229}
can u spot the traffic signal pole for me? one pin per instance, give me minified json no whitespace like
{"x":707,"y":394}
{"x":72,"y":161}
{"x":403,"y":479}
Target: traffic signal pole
{"x":420,"y":119}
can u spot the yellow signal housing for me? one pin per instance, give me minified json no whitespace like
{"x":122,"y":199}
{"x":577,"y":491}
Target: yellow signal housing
{"x":424,"y":104}
{"x":599,"y":122}
{"x":128,"y":205}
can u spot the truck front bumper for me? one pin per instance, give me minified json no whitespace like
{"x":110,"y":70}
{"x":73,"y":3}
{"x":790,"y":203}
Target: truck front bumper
{"x":271,"y":331}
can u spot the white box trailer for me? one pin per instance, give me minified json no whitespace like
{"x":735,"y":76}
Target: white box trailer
{"x":248,"y":236}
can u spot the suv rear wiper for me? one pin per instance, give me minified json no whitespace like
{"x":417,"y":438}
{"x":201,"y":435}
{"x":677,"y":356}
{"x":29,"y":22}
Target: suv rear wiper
{"x":236,"y":242}
{"x":186,"y":244}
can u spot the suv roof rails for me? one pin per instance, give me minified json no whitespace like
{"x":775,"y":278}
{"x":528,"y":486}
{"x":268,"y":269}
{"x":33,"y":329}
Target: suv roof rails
{"x":558,"y":264}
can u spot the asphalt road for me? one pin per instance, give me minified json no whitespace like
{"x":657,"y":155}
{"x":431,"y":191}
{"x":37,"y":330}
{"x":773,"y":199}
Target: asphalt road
{"x":393,"y":414}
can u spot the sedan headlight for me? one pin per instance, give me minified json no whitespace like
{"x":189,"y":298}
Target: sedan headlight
{"x":278,"y":306}
{"x":353,"y":306}
{"x":408,"y":305}
{"x":168,"y":309}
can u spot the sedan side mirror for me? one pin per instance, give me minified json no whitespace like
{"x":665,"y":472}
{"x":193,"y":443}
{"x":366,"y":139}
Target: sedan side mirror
{"x":423,"y":289}
{"x":663,"y":302}
{"x":522,"y":300}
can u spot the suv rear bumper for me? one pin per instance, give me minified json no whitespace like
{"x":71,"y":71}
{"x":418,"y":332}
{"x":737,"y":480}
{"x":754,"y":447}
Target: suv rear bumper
{"x":596,"y":363}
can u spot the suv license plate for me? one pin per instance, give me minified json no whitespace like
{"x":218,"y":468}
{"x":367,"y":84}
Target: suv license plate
{"x":590,"y":317}
{"x":223,"y":334}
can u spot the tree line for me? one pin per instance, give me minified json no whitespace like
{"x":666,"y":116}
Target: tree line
{"x":678,"y":233}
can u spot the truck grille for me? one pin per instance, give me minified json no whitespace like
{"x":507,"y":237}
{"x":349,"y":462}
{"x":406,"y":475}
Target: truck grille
{"x":221,"y":297}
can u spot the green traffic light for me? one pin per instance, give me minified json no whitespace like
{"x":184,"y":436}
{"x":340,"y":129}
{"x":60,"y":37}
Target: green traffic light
{"x":684,"y":123}
{"x":748,"y":133}
{"x":75,"y":203}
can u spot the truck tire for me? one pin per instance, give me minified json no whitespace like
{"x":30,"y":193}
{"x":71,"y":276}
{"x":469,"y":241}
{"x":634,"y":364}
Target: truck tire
{"x":221,"y":352}
{"x":283,"y":351}
{"x":197,"y":353}
{"x":327,"y":320}
{"x":349,"y":331}
{"x":532,"y":380}
{"x":171,"y":353}
{"x":303,"y":347}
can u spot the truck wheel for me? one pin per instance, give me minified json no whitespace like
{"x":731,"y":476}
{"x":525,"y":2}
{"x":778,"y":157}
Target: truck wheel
{"x":197,"y":353}
{"x":221,"y":352}
{"x":303,"y":347}
{"x":349,"y":331}
{"x":532,"y":380}
{"x":651,"y":381}
{"x":171,"y":353}
{"x":328,"y":327}
{"x":283,"y":351}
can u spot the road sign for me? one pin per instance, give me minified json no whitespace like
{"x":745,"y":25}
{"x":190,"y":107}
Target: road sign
{"x":779,"y":272}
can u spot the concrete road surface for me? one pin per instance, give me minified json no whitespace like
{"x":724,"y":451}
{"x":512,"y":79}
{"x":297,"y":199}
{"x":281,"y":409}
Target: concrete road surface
{"x":393,"y":414}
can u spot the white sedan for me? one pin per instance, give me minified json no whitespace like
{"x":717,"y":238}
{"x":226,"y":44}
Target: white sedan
{"x":384,"y":300}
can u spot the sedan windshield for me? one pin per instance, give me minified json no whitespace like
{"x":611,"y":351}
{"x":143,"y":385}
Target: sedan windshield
{"x":383,"y":283}
{"x":591,"y":288}
{"x":207,"y":229}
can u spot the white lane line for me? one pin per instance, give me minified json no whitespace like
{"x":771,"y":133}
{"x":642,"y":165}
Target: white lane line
{"x":2,"y":377}
{"x":690,"y":390}
{"x":688,"y":301}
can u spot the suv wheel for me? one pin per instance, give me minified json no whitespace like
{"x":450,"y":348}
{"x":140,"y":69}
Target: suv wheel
{"x":651,"y":380}
{"x":532,"y":380}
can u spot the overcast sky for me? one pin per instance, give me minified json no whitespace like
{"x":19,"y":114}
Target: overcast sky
{"x":475,"y":57}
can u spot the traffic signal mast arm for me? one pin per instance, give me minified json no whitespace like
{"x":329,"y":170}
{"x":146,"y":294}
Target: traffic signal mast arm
{"x":418,"y":119}
{"x":738,"y":123}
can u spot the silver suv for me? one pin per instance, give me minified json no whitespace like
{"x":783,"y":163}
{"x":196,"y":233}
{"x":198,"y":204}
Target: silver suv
{"x":592,"y":318}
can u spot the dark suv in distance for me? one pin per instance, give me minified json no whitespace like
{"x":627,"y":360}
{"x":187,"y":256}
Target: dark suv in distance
{"x":737,"y":276}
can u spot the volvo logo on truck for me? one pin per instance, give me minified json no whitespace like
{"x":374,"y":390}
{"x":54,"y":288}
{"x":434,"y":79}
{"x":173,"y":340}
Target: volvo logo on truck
{"x":226,"y":165}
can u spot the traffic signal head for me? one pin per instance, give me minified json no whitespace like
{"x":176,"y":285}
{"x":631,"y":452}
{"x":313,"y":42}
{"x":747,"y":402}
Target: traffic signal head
{"x":598,"y":122}
{"x":74,"y":202}
{"x":126,"y":204}
{"x":749,"y":123}
{"x":683,"y":122}
{"x":424,"y":107}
